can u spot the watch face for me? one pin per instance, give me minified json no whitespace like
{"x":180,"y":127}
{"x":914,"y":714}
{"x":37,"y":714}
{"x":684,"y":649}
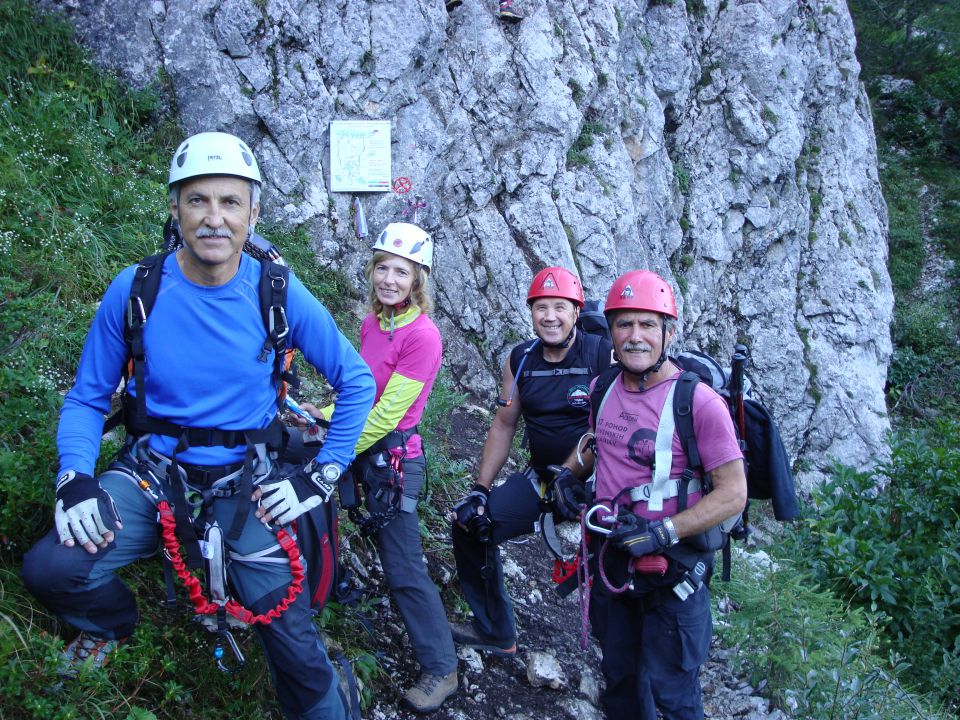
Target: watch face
{"x":331,"y":472}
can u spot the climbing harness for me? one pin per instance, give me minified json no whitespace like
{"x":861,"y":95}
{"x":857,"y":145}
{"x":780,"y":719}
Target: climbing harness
{"x":388,"y":452}
{"x":391,"y":493}
{"x":220,"y":604}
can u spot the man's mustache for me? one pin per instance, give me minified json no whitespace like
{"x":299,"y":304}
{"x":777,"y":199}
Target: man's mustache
{"x":206,"y":232}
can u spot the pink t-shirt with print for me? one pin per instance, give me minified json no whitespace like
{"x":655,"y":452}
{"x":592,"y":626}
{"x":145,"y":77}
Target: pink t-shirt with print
{"x":627,"y":434}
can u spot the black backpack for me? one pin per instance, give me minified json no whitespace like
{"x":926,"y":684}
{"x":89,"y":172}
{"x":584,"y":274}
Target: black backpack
{"x":592,"y":320}
{"x":767,"y":465}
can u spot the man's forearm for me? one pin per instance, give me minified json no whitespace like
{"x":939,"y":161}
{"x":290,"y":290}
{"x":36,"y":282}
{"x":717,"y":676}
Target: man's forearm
{"x":495,"y":453}
{"x":581,"y":461}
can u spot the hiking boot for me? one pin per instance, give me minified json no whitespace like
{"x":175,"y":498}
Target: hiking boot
{"x":430,"y":692}
{"x":453,"y":4}
{"x":507,"y":12}
{"x":87,"y":651}
{"x":465,"y":634}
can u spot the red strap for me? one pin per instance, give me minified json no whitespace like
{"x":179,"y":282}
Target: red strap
{"x":562,"y":569}
{"x":190,"y":581}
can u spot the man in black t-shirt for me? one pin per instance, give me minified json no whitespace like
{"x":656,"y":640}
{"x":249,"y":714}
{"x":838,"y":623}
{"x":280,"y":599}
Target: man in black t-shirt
{"x":546,"y":381}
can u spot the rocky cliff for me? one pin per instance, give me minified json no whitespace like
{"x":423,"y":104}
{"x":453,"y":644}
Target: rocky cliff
{"x":726,"y":144}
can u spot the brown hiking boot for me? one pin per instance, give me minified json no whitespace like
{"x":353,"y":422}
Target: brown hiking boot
{"x":430,"y":692}
{"x":464,"y":634}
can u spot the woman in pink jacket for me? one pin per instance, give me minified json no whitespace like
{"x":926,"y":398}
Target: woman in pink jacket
{"x":402,"y":346}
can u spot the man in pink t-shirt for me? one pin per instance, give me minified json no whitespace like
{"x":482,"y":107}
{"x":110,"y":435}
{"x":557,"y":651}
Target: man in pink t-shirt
{"x":653,"y":637}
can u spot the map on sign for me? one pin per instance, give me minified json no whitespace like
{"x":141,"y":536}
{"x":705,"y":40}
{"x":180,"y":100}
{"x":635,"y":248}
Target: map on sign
{"x":360,"y":155}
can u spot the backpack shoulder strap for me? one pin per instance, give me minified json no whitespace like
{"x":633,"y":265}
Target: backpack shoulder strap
{"x":601,"y":389}
{"x":593,"y":349}
{"x":274,"y":279}
{"x":143,"y":292}
{"x":683,"y":417}
{"x":143,"y":295}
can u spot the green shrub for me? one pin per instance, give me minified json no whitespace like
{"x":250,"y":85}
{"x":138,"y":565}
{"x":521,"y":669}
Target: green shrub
{"x":818,"y":658}
{"x":889,"y":542}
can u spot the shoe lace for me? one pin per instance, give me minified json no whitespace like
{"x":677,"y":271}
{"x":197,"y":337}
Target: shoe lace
{"x":428,"y":683}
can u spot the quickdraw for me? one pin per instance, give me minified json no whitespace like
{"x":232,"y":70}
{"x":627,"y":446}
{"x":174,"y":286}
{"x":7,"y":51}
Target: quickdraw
{"x":201,"y":604}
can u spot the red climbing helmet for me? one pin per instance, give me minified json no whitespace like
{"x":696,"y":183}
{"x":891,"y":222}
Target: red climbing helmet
{"x":556,"y":282}
{"x":641,"y":290}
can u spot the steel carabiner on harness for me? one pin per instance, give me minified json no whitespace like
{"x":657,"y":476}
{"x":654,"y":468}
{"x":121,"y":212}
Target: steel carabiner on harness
{"x":218,"y":653}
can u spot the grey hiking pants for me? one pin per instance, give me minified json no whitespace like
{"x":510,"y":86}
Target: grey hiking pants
{"x":401,"y":555}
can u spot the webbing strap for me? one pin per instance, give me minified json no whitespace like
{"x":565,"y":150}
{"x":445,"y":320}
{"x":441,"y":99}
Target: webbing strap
{"x":558,"y":372}
{"x":143,"y":293}
{"x":663,"y":455}
{"x":187,"y":437}
{"x":274,"y":279}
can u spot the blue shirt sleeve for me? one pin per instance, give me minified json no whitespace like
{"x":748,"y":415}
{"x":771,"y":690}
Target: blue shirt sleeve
{"x":317,"y":336}
{"x":98,"y":375}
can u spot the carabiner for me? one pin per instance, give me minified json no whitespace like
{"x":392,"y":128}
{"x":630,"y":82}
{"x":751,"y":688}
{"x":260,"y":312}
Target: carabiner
{"x":599,"y":528}
{"x":218,"y":653}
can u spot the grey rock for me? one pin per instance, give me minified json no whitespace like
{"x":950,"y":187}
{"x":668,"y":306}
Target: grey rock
{"x":728,"y":146}
{"x":580,"y":709}
{"x":543,"y":670}
{"x":590,"y":687}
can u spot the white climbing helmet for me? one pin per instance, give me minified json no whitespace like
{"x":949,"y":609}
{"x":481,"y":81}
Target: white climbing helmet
{"x":408,"y":241}
{"x":213,"y":153}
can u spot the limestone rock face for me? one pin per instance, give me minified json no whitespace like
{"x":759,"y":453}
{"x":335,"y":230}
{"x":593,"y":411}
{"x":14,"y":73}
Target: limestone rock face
{"x":726,"y":144}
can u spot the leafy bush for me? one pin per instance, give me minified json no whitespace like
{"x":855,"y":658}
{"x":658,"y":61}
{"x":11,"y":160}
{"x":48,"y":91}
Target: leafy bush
{"x":890,"y":542}
{"x":817,"y":657}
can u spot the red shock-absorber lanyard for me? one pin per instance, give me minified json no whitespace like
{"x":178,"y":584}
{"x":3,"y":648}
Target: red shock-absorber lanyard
{"x":202,"y":605}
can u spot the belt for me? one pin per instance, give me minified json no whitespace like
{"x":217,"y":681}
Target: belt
{"x":203,"y":476}
{"x":198,"y":476}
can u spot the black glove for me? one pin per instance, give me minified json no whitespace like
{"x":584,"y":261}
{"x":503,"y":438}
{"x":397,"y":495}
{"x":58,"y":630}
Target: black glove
{"x":471,"y":512}
{"x":569,"y":494}
{"x":82,"y":506}
{"x":286,"y":498}
{"x":638,"y":537}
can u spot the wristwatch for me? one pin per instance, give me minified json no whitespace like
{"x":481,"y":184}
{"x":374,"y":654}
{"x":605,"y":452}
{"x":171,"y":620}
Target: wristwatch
{"x":671,"y":531}
{"x":331,"y":472}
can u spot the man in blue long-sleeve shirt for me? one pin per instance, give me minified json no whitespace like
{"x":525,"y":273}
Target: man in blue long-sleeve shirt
{"x":207,"y":431}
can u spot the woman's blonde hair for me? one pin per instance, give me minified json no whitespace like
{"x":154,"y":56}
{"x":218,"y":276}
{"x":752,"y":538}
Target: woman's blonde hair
{"x":419,"y":292}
